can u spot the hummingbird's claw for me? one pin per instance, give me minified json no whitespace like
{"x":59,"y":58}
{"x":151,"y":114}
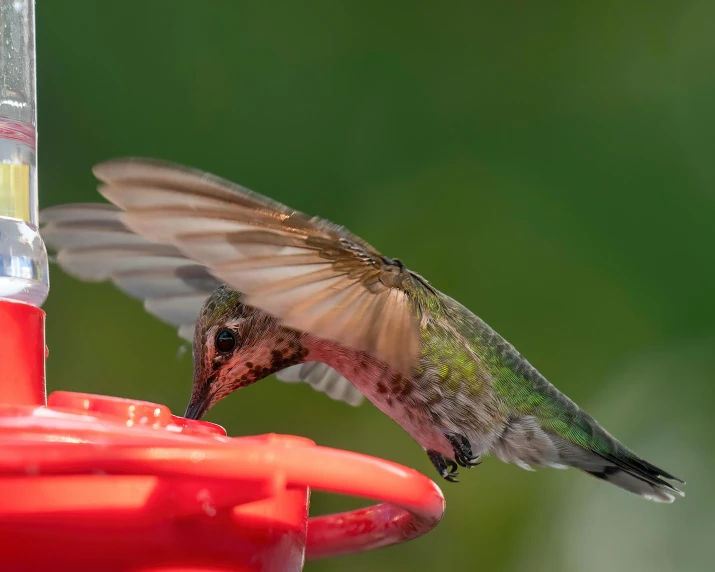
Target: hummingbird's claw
{"x":452,"y":473}
{"x":463,"y":451}
{"x":447,"y":469}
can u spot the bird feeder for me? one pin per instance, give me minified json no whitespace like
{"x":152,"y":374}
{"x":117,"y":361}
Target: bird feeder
{"x":91,"y":482}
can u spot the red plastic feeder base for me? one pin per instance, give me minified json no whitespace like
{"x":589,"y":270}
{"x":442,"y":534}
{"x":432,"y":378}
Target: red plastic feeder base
{"x":92,"y":483}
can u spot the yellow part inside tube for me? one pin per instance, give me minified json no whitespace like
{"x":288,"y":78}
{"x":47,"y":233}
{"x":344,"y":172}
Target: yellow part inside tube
{"x":15,"y":191}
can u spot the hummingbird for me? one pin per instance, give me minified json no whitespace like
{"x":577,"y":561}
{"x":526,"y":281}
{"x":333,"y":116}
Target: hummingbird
{"x":259,"y":288}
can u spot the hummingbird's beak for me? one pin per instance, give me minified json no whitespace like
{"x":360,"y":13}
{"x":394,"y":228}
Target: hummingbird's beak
{"x":195,"y":410}
{"x":199,"y":402}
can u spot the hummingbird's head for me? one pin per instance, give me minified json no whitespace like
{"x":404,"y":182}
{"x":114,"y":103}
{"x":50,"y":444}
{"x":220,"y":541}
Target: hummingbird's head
{"x":236,"y":345}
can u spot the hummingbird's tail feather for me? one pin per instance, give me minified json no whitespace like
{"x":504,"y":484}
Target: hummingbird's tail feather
{"x":627,"y":471}
{"x":525,"y":443}
{"x":619,"y":466}
{"x":656,"y":490}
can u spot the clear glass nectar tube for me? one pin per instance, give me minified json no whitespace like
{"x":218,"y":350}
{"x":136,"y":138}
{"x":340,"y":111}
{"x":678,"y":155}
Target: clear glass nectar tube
{"x":24,"y":275}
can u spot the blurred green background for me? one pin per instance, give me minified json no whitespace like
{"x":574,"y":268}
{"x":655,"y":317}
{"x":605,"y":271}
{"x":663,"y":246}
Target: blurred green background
{"x":550,"y":165}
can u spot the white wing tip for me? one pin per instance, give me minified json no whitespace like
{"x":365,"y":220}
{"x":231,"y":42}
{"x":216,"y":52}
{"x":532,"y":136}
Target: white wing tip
{"x":321,"y":377}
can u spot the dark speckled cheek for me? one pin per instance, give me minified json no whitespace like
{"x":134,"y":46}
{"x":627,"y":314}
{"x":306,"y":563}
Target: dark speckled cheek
{"x":280,"y":358}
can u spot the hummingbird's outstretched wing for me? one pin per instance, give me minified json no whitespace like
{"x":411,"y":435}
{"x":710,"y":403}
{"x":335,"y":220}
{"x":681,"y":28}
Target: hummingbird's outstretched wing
{"x":321,"y":377}
{"x":94,"y":245}
{"x":311,"y":274}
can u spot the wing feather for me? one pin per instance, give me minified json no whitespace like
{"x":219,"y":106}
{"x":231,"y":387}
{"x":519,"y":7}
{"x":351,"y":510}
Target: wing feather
{"x":93,"y":244}
{"x":323,"y":378}
{"x":311,"y":274}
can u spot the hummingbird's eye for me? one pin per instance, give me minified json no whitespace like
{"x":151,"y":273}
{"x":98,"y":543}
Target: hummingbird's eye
{"x":225,"y":341}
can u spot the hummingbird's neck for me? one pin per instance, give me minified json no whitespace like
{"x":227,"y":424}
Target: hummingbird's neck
{"x":351,"y":364}
{"x":320,"y":349}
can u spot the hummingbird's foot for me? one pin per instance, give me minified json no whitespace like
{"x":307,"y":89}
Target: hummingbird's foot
{"x":447,"y":469}
{"x":463,"y":451}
